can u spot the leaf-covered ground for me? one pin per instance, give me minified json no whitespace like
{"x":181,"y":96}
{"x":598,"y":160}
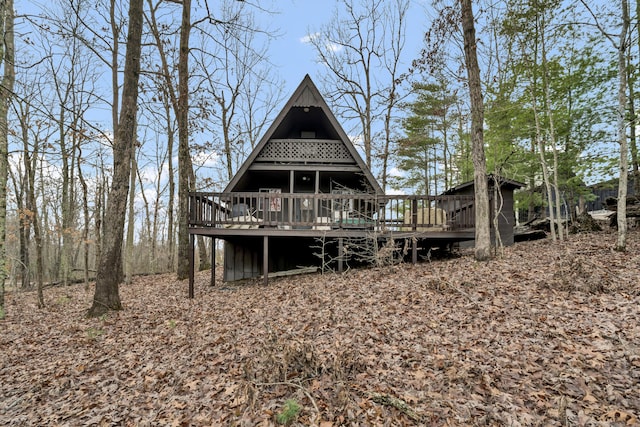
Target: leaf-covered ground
{"x":544,"y":335}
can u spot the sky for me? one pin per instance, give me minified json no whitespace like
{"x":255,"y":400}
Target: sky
{"x":298,"y":18}
{"x":295,"y":58}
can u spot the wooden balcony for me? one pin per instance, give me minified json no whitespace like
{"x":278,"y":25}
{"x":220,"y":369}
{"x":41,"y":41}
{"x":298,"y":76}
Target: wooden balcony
{"x":297,"y":214}
{"x":248,"y":216}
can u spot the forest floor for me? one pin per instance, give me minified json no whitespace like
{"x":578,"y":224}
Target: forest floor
{"x":546,"y":334}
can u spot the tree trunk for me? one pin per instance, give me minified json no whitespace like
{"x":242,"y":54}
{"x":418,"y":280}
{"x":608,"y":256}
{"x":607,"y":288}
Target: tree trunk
{"x":99,"y":215}
{"x":147,"y":239}
{"x":24,"y":222}
{"x":180,"y":105}
{"x":552,"y":135}
{"x":48,"y":253}
{"x":482,"y":225}
{"x":498,"y":204}
{"x":87,"y":225}
{"x":228,"y":149}
{"x":635,"y":157}
{"x":621,"y":244}
{"x":183,"y":143}
{"x":445,"y":149}
{"x":109,"y":274}
{"x":66,"y":223}
{"x":545,"y":169}
{"x":398,"y":26}
{"x":153,"y":234}
{"x":31,"y":154}
{"x":7,"y":56}
{"x":128,"y":264}
{"x":115,"y":87}
{"x":37,"y":233}
{"x":172,"y":191}
{"x":633,"y":118}
{"x":540,"y":143}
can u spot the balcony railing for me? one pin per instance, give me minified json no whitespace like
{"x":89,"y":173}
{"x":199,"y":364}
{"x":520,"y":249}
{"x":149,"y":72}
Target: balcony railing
{"x":295,"y":211}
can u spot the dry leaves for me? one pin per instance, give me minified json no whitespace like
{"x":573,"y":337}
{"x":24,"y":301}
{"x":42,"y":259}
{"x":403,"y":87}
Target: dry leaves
{"x":546,"y":335}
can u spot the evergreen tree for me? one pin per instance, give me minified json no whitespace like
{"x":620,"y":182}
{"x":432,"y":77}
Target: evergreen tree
{"x":425,"y":155}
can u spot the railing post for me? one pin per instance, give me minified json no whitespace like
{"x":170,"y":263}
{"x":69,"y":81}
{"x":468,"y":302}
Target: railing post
{"x":414,"y":213}
{"x":266,"y":214}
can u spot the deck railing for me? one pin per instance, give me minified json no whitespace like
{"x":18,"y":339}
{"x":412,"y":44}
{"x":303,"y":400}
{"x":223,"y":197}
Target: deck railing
{"x":248,"y":210}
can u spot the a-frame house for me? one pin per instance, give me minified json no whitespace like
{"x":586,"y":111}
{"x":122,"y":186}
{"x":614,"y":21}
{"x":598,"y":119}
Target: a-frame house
{"x":305,"y":191}
{"x":305,"y":151}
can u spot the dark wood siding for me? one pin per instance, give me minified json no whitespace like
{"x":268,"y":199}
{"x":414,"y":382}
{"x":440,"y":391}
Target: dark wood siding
{"x":506,"y":220}
{"x":242,"y":259}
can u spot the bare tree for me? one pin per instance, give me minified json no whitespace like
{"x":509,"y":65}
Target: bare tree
{"x":621,"y":47}
{"x":32,"y":145}
{"x":234,"y":78}
{"x":184,"y":157}
{"x":635,"y":158}
{"x":153,"y":172}
{"x":95,"y":29}
{"x":7,"y":58}
{"x":131,"y":218}
{"x":70,"y":59}
{"x":552,"y":129}
{"x":391,"y":99}
{"x":164,"y":93}
{"x":106,"y":296}
{"x":102,"y":186}
{"x":543,"y":161}
{"x":179,"y":100}
{"x":621,"y":243}
{"x":482,"y":224}
{"x":19,"y":180}
{"x":369,"y":38}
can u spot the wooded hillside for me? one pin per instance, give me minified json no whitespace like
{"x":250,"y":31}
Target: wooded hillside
{"x":398,"y":85}
{"x":545,"y":335}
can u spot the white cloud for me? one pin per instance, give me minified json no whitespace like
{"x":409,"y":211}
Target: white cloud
{"x":149,"y":174}
{"x":395,"y":172}
{"x":149,"y":193}
{"x":310,"y":38}
{"x":357,"y":141}
{"x":334,"y":47}
{"x":395,"y":191}
{"x":206,"y":159}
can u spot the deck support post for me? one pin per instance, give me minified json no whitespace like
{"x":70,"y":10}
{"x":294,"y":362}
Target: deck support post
{"x":191,"y":265}
{"x":414,"y":250}
{"x":213,"y":261}
{"x":265,"y":259}
{"x":340,"y":254}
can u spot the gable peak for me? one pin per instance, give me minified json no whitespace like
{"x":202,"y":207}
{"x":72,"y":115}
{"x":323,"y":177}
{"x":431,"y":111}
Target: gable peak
{"x":307,"y":94}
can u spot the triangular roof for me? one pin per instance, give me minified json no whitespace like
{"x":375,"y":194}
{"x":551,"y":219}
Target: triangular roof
{"x":306,"y":95}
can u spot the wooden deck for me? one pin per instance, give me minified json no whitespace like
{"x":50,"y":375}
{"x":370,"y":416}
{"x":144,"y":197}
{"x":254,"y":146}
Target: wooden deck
{"x":439,"y":219}
{"x":224,"y":214}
